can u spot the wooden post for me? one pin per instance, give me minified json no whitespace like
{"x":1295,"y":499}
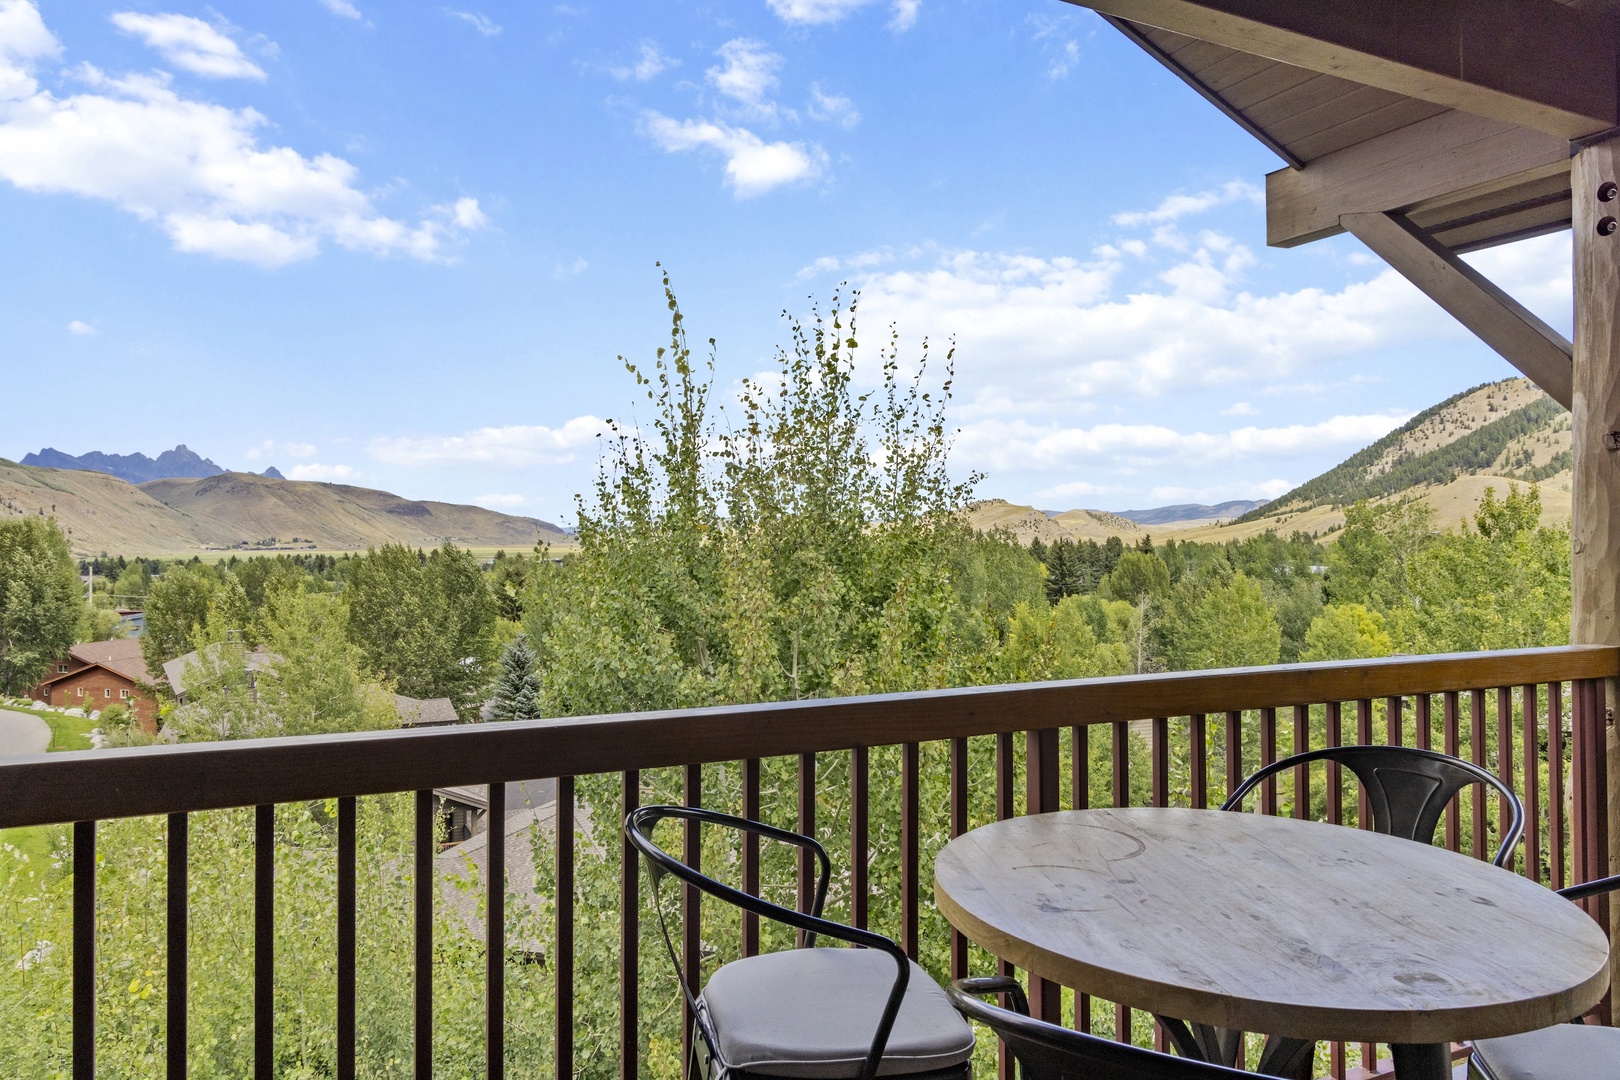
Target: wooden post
{"x":1596,"y":436}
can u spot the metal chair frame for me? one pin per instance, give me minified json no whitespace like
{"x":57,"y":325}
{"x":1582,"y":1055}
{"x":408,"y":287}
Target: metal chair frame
{"x":638,"y":826}
{"x":1048,"y":1052}
{"x":1410,"y":813}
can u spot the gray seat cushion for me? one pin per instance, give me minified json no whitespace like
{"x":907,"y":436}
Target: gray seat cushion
{"x":1564,"y":1052}
{"x":812,"y":1013}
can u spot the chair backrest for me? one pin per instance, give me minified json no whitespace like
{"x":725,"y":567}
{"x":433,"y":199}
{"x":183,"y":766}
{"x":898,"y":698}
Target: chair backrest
{"x":638,"y":828}
{"x":1048,"y":1052}
{"x":1407,"y":788}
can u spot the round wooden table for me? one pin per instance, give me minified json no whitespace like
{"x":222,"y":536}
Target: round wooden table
{"x":1298,"y":929}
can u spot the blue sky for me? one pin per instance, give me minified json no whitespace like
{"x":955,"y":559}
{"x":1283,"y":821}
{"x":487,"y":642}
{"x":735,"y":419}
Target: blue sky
{"x":403,"y":244}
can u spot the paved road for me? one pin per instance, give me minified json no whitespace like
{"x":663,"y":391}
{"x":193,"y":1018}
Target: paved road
{"x":23,"y":733}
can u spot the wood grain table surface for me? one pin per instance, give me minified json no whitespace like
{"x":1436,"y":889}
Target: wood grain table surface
{"x":1266,"y":924}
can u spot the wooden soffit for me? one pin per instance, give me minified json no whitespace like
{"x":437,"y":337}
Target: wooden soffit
{"x":1457,"y":114}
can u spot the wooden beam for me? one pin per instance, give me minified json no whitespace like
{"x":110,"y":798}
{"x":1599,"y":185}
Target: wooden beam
{"x":1499,"y":320}
{"x":1595,"y":415}
{"x":1448,"y":158}
{"x":1535,"y":63}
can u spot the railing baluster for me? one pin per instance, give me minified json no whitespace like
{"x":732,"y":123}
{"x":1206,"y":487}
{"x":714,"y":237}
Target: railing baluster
{"x":1268,"y":754}
{"x":1364,"y":737}
{"x":264,"y":942}
{"x":1159,"y":755}
{"x":910,"y":849}
{"x":1198,"y":760}
{"x":1590,"y":772}
{"x":564,"y":1034}
{"x":750,"y":855}
{"x":1302,"y":773}
{"x":179,"y":910}
{"x":1041,"y":749}
{"x":1392,"y":721}
{"x":1234,"y":752}
{"x":806,"y":826}
{"x":1557,"y":838}
{"x":423,"y":881}
{"x":495,"y":934}
{"x":859,"y":842}
{"x":1122,"y":763}
{"x":1504,"y":760}
{"x":1476,"y":751}
{"x":1333,"y":735}
{"x":691,"y":908}
{"x":959,"y":825}
{"x":1422,"y":720}
{"x":84,"y":950}
{"x":345,"y":937}
{"x":1080,"y":799}
{"x":1452,"y":736}
{"x":1531,"y":742}
{"x":1005,"y":766}
{"x":629,"y":936}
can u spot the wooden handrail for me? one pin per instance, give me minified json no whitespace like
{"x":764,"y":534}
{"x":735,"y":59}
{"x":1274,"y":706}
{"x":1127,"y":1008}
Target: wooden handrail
{"x":100,"y":784}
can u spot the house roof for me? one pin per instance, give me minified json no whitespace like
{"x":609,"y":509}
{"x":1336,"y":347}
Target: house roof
{"x":520,"y":794}
{"x":425,"y":712}
{"x":175,"y":670}
{"x":121,"y":655}
{"x":78,"y":672}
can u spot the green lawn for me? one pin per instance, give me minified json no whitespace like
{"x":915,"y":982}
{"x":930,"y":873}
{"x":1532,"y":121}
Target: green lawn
{"x":68,"y":732}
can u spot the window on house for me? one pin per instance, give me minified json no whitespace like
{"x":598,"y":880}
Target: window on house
{"x":124,"y":694}
{"x":109,"y":692}
{"x":61,"y":669}
{"x":81,"y":691}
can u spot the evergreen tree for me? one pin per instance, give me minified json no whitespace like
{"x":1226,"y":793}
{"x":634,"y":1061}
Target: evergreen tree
{"x":517,"y":686}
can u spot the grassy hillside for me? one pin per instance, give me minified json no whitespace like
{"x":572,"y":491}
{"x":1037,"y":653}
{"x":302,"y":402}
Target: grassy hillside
{"x":101,"y":513}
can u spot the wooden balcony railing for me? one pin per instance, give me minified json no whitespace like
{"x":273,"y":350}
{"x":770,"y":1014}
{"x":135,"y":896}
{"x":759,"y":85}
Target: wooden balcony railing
{"x":1536,"y":717}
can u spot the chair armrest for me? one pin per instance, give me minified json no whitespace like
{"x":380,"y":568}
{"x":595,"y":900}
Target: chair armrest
{"x":995,"y":984}
{"x":1591,"y":888}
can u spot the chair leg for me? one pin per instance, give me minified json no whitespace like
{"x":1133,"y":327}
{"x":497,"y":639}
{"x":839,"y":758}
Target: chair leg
{"x":1421,"y":1061}
{"x":1294,"y":1058}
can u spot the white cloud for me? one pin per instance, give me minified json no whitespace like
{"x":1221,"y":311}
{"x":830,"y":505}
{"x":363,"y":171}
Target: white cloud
{"x":1017,"y":444}
{"x":500,"y":501}
{"x":514,"y":447}
{"x":271,"y":448}
{"x":191,"y":44}
{"x":753,"y":166}
{"x":81,"y":329}
{"x":1063,"y":62}
{"x":746,"y":76}
{"x":650,"y":62}
{"x":823,"y":12}
{"x":573,"y":269}
{"x":833,"y":107}
{"x":1052,"y":333}
{"x":326,"y":474}
{"x":1239,"y":408}
{"x":1174,"y":207}
{"x":905,"y":15}
{"x":341,"y":7}
{"x":196,"y":169}
{"x":482,"y":23}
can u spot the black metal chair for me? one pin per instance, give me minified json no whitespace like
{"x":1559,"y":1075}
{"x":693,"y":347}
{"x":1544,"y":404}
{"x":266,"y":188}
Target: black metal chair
{"x":1407,"y":788}
{"x":1573,"y":1051}
{"x":816,"y":1014}
{"x":1048,"y":1052}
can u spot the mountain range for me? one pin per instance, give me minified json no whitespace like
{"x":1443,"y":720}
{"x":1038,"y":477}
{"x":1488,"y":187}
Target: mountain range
{"x":181,"y":462}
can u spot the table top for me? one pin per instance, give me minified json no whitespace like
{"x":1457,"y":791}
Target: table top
{"x":1273,"y":925}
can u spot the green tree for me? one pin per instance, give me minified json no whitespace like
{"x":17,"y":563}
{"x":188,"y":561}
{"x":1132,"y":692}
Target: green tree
{"x":40,"y":602}
{"x":424,"y":622}
{"x":1231,"y":625}
{"x":1139,"y":575}
{"x":517,"y":686}
{"x":1346,"y":632}
{"x":131,"y":585}
{"x":182,"y":602}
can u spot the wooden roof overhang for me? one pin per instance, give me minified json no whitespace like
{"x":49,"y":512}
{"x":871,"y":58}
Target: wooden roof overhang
{"x":1429,"y":128}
